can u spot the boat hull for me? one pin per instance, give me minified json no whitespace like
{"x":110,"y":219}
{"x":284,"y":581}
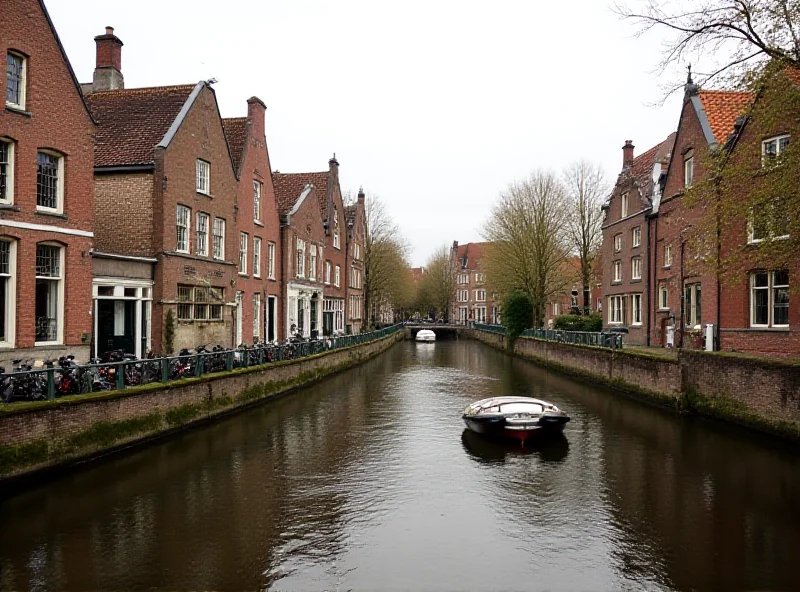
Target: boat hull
{"x":516,"y":429}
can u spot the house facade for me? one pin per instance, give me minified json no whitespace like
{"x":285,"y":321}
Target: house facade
{"x":473,"y":300}
{"x":355,"y":215}
{"x":46,"y":216}
{"x":303,"y":253}
{"x":163,"y":161}
{"x":258,"y":286}
{"x":626,"y":252}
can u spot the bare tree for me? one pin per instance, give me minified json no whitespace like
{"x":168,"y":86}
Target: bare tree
{"x":529,"y":247}
{"x":586,"y":190}
{"x":737,"y":35}
{"x":438,"y":283}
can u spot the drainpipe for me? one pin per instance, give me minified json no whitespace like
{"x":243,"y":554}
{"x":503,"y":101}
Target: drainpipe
{"x":650,"y":279}
{"x":718,"y":333}
{"x":679,"y":324}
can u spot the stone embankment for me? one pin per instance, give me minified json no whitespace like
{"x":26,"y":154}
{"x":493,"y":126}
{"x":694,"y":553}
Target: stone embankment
{"x":755,"y":392}
{"x":44,"y":435}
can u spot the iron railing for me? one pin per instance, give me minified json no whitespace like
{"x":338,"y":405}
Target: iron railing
{"x":55,"y":381}
{"x":593,"y":339}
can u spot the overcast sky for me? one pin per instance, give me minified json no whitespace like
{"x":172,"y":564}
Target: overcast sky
{"x":435,"y":106}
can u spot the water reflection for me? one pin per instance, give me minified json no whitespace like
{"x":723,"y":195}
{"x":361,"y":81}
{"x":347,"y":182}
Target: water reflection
{"x":550,"y":448}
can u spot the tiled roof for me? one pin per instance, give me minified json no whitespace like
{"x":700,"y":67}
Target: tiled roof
{"x":131,"y":122}
{"x":474,"y":253}
{"x":642,"y":167}
{"x":236,"y":134}
{"x":292,"y":185}
{"x":722,"y":107}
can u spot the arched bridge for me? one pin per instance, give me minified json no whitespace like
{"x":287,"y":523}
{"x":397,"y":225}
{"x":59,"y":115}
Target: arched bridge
{"x":442,"y":330}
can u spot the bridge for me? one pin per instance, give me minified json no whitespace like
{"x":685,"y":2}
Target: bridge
{"x":443,"y":331}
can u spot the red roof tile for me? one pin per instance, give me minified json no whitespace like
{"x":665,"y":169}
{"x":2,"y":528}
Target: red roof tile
{"x":236,"y":134}
{"x":131,"y":122}
{"x":474,"y":252}
{"x":642,"y":166}
{"x":722,"y":107}
{"x":289,"y":186}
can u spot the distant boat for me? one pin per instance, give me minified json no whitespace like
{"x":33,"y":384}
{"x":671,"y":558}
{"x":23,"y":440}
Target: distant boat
{"x":514,"y":417}
{"x":426,"y":335}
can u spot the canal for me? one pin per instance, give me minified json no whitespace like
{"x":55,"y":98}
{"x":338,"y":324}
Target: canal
{"x":368,"y":481}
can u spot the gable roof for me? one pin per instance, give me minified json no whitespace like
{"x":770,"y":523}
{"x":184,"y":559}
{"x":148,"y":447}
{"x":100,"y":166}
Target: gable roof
{"x":132,"y":122}
{"x":473,"y":252}
{"x":641,"y":169}
{"x":236,"y":133}
{"x":722,"y":107}
{"x":289,"y":186}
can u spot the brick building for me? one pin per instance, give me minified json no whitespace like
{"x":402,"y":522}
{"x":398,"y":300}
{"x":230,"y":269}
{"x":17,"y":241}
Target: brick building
{"x":355,"y":215}
{"x":568,"y":301}
{"x":46,"y":217}
{"x":626,"y":240}
{"x":162,"y":162}
{"x":303,"y":256}
{"x":473,"y":301}
{"x":258,"y":286}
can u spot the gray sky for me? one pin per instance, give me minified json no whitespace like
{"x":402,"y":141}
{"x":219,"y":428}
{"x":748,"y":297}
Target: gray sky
{"x":435,"y":106}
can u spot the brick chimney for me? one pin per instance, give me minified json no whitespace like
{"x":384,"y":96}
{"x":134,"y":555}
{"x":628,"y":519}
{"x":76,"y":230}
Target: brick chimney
{"x":256,"y":111}
{"x":108,"y":65}
{"x":627,"y":154}
{"x":361,"y":196}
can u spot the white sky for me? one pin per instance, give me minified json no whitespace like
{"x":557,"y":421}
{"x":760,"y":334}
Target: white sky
{"x":433,"y":105}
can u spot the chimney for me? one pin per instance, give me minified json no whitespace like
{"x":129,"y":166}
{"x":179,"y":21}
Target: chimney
{"x":627,"y":154}
{"x":256,"y":113}
{"x":108,"y":66}
{"x":361,"y":196}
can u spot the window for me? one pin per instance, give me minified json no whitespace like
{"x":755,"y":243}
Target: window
{"x":219,"y":238}
{"x":357,"y":251}
{"x":772,"y":150}
{"x":769,"y":297}
{"x":617,"y":243}
{"x":49,"y":185}
{"x":480,"y":314}
{"x":617,"y":271}
{"x":243,"y":239}
{"x":463,"y":278}
{"x":7,"y":291}
{"x":556,"y":309}
{"x":200,"y":303}
{"x":312,"y":263}
{"x":49,"y":293}
{"x":615,"y":310}
{"x":480,"y":295}
{"x":301,"y":258}
{"x":636,"y":268}
{"x":663,"y":298}
{"x":327,"y":272}
{"x":480,"y":277}
{"x":688,"y":169}
{"x":637,"y":236}
{"x":15,"y":80}
{"x":624,"y":206}
{"x":256,"y":257}
{"x":183,"y":217}
{"x":203,"y":177}
{"x":769,"y":221}
{"x":692,"y":305}
{"x":256,"y":201}
{"x":202,"y":234}
{"x":335,"y":228}
{"x":256,"y":315}
{"x":6,"y":171}
{"x":463,"y":295}
{"x":667,"y":255}
{"x":336,"y":276}
{"x":271,"y":260}
{"x":637,"y":309}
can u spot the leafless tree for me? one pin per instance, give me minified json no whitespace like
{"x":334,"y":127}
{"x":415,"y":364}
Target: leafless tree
{"x":738,"y":36}
{"x":438,"y":283}
{"x":529,"y":245}
{"x":586,"y":189}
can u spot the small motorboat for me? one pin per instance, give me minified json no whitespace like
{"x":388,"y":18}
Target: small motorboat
{"x":514,"y":417}
{"x":426,"y":335}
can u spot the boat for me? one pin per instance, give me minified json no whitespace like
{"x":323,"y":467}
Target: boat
{"x":425,"y":335}
{"x":514,"y":417}
{"x":553,"y":448}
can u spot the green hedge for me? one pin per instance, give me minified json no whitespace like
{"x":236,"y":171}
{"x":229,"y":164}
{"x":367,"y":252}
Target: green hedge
{"x":592,"y":322}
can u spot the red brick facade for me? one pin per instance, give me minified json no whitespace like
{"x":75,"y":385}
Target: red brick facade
{"x":473,"y":299}
{"x":356,"y":241}
{"x":46,"y":116}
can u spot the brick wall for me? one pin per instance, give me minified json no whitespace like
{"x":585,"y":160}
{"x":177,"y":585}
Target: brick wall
{"x":125,"y":205}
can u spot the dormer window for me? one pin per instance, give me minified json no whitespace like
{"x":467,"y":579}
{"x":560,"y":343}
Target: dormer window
{"x":772,"y":150}
{"x":624,"y":206}
{"x":16,"y":72}
{"x":688,"y":169}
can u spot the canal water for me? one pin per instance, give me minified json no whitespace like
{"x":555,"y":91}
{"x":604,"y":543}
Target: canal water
{"x":368,"y":481}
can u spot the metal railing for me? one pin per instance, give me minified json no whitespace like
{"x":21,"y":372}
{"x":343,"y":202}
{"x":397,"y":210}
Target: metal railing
{"x":55,"y":381}
{"x":601,"y":339}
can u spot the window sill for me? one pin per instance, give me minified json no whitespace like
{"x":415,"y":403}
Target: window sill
{"x":243,"y":275}
{"x":208,"y":195}
{"x":193,"y":321}
{"x":662,"y":310}
{"x":52,"y":214}
{"x":636,"y":281}
{"x":9,"y":207}
{"x":635,"y":246}
{"x":667,"y":266}
{"x":18,"y":110}
{"x":258,"y":223}
{"x":48,"y":344}
{"x":763,"y":328}
{"x":616,"y":283}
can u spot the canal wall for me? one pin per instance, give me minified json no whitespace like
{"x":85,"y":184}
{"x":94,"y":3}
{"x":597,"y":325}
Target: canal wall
{"x":48,"y":434}
{"x":759,"y":393}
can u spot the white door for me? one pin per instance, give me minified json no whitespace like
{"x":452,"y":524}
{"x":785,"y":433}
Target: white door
{"x":239,"y":311}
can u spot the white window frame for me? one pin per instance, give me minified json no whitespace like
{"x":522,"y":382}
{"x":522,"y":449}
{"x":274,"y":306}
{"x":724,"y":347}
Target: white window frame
{"x":615,"y":310}
{"x":480,"y":295}
{"x":60,"y":294}
{"x":751,"y":238}
{"x":257,"y":186}
{"x":617,"y":266}
{"x":312,"y":262}
{"x":667,"y":256}
{"x":336,"y":229}
{"x":256,"y":256}
{"x":663,"y":297}
{"x":328,"y":272}
{"x":688,"y":170}
{"x":636,"y":268}
{"x":618,"y":242}
{"x":59,"y":209}
{"x":23,"y":82}
{"x":256,"y":315}
{"x":357,"y":251}
{"x":10,"y":277}
{"x":691,"y":319}
{"x":9,"y":196}
{"x":218,"y":239}
{"x":183,"y":221}
{"x":271,"y":260}
{"x":637,"y":237}
{"x":556,"y":308}
{"x":203,"y":177}
{"x":244,"y":238}
{"x":770,"y":289}
{"x":300,"y":258}
{"x":337,"y":272}
{"x":636,"y":309}
{"x":779,"y":148}
{"x":624,"y":205}
{"x":202,"y":226}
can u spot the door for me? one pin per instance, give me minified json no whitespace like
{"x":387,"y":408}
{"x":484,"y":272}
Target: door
{"x":116,"y":326}
{"x":313,"y":321}
{"x":271,"y":311}
{"x":239,"y":311}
